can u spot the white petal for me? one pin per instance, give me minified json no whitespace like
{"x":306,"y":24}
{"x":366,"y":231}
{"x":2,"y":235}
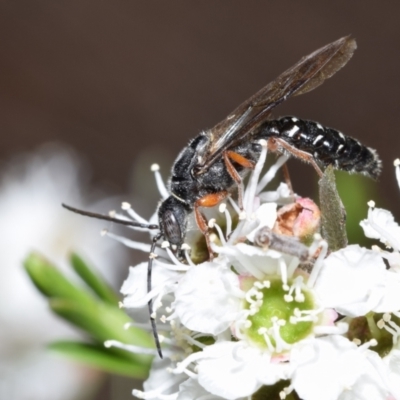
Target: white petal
{"x":393,"y":363}
{"x":380,"y":225}
{"x":191,"y":390}
{"x":352,"y":281}
{"x":161,"y":381}
{"x":251,"y":260}
{"x":134,"y":287}
{"x":204,"y":299}
{"x":323,"y":368}
{"x":233,"y":370}
{"x":390,"y":301}
{"x":370,"y":384}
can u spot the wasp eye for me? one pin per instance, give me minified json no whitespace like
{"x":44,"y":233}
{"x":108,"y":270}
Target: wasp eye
{"x":172,"y":229}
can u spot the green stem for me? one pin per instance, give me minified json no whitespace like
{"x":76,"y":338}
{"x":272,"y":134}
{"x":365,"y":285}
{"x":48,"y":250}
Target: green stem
{"x":375,"y":331}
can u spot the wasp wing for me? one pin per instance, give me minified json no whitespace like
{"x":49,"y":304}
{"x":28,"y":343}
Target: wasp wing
{"x":310,"y":72}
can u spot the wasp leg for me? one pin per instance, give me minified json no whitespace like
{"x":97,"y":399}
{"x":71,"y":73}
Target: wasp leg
{"x":274,"y":144}
{"x":244,"y":162}
{"x":209,"y":200}
{"x":286,"y":176}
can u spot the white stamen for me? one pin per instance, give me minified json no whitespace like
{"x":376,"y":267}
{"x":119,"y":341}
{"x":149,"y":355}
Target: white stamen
{"x":270,"y":174}
{"x":129,"y":243}
{"x":234,"y":205}
{"x":252,"y":185}
{"x":181,"y":266}
{"x":186,"y":248}
{"x":159,"y":181}
{"x":132,"y":213}
{"x":129,"y":347}
{"x":220,"y":233}
{"x":397,"y":169}
{"x":242,"y":215}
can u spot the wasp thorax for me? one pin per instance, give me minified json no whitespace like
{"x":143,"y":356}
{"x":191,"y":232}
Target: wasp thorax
{"x":172,"y":216}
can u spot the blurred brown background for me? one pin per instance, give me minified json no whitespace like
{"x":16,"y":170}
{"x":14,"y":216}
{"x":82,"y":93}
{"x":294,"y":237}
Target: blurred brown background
{"x":120,"y":79}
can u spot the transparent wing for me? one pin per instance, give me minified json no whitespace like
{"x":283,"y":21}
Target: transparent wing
{"x":310,"y":72}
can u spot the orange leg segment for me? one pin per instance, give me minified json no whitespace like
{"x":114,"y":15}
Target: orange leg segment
{"x":244,"y":162}
{"x":209,"y":200}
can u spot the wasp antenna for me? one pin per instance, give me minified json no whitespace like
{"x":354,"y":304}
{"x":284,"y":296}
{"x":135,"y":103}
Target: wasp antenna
{"x":150,"y":303}
{"x":111,"y":219}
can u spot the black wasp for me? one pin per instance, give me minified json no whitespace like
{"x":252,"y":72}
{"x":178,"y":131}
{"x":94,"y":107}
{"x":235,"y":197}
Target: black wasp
{"x":215,"y":162}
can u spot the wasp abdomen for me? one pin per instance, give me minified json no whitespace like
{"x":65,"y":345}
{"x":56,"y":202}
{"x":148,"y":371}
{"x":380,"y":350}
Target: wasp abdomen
{"x":326,"y":145}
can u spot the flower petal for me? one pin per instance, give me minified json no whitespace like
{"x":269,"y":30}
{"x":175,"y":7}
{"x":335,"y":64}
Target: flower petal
{"x":323,"y":368}
{"x":205,"y":299}
{"x":232,"y":370}
{"x":352,"y":281}
{"x":380,"y":225}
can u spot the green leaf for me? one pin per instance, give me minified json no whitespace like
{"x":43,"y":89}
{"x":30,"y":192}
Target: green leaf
{"x":355,"y":191}
{"x":102,"y":321}
{"x":332,"y":210}
{"x":93,"y":280}
{"x":102,"y":358}
{"x":52,"y":282}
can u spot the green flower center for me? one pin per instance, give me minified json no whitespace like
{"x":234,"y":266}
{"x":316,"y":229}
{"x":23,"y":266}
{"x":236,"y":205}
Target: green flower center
{"x":280,"y":315}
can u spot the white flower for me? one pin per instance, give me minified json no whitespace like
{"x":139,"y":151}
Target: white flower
{"x":32,"y":188}
{"x":254,"y":316}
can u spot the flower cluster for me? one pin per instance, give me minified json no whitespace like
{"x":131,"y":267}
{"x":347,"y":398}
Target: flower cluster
{"x":275,"y":312}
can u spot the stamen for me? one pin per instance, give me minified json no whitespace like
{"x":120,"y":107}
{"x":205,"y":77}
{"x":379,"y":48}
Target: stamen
{"x":187,"y":361}
{"x":132,"y":213}
{"x":213,"y":224}
{"x":186,"y":248}
{"x":125,"y":218}
{"x":182,"y":267}
{"x":397,"y":169}
{"x":251,"y":189}
{"x":367,"y":345}
{"x":280,"y":343}
{"x":193,"y":341}
{"x":318,"y":264}
{"x":223,"y":209}
{"x":283,"y":272}
{"x":371,"y":204}
{"x":130,"y":347}
{"x":129,"y":243}
{"x":159,"y":181}
{"x":234,"y":205}
{"x":270,"y":174}
{"x":242,"y":215}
